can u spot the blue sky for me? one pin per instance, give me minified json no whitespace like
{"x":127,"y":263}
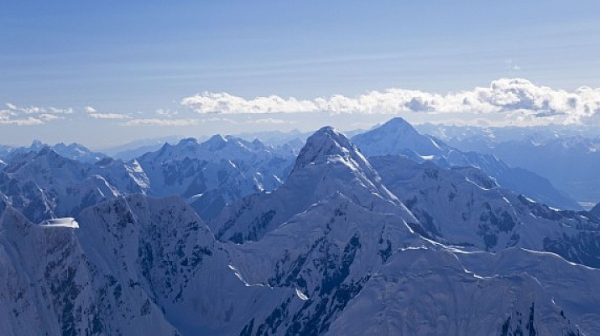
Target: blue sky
{"x":121,"y":70}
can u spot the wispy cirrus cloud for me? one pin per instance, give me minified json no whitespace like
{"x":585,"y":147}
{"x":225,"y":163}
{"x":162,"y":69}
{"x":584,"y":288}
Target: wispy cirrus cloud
{"x":267,"y":121}
{"x":92,"y":112}
{"x":31,"y":115}
{"x":35,"y":115}
{"x":512,"y":66}
{"x":511,"y":98}
{"x":166,"y":113}
{"x":161,"y":122}
{"x":38,"y":109}
{"x":30,"y":121}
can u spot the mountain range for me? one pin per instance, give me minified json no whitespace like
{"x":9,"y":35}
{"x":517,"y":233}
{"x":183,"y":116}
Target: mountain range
{"x":567,"y":157}
{"x":400,"y":240}
{"x":398,"y":137}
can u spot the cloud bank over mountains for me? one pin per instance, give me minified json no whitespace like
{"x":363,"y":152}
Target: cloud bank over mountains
{"x":506,"y":101}
{"x":515,"y":98}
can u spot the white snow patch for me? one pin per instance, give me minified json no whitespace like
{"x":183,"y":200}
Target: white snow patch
{"x":44,"y":198}
{"x":414,"y":248}
{"x":435,"y":144}
{"x":238,"y":275}
{"x":257,"y":182}
{"x":136,"y":172}
{"x":477,"y":185}
{"x":454,"y":249}
{"x":68,"y":222}
{"x":559,"y":257}
{"x":194,"y":197}
{"x":301,"y":295}
{"x":476,"y":276}
{"x":347,"y":163}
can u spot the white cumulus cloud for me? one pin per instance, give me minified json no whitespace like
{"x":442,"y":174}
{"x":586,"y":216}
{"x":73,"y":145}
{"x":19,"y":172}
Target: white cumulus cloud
{"x":510,"y":98}
{"x":225,"y":103}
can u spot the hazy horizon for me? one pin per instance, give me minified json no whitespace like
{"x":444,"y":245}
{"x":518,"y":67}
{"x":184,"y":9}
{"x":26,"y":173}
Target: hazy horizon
{"x":103,"y":75}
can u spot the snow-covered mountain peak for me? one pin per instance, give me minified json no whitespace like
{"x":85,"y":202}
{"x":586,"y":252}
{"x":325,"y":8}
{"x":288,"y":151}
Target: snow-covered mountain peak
{"x":35,"y":162}
{"x":73,"y":151}
{"x":399,"y":126}
{"x":397,"y":136}
{"x":333,"y":162}
{"x":36,"y":145}
{"x":188,"y":142}
{"x":216,"y":142}
{"x":328,"y":164}
{"x":216,"y":148}
{"x":324,"y":145}
{"x":239,"y":144}
{"x":187,"y":146}
{"x":45,"y":150}
{"x":44,"y":183}
{"x":73,"y":147}
{"x":256,"y":143}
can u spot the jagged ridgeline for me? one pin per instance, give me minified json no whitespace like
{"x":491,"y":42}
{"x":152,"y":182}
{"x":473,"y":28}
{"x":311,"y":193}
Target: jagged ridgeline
{"x":230,"y":237}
